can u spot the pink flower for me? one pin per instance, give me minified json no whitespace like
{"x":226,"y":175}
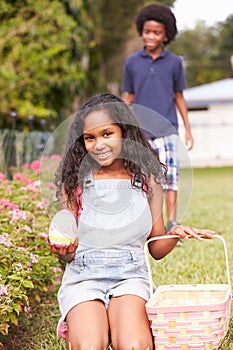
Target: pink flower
{"x":43,"y":235}
{"x":8,"y":204}
{"x":35,"y":166}
{"x":17,"y":214}
{"x":26,"y":308}
{"x":56,"y":157}
{"x":40,"y":205}
{"x":21,"y":249}
{"x":56,"y":269}
{"x":3,"y":290}
{"x":18,"y":266}
{"x":26,"y":228}
{"x":29,"y":266}
{"x":5,"y":240}
{"x":51,"y":185}
{"x":2,"y":176}
{"x":19,"y":176}
{"x":34,"y":258}
{"x":32,"y":188}
{"x":9,"y":189}
{"x":44,"y":158}
{"x":25,"y":166}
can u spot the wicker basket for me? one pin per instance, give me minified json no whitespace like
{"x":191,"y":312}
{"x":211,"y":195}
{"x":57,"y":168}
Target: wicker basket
{"x":189,"y":316}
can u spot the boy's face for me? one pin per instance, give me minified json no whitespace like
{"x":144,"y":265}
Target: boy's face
{"x":154,"y":35}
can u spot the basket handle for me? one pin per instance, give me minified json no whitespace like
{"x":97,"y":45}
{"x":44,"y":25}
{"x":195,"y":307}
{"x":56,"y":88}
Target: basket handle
{"x":222,"y":239}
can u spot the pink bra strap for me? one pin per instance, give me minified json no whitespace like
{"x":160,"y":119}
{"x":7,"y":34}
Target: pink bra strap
{"x":79,"y":200}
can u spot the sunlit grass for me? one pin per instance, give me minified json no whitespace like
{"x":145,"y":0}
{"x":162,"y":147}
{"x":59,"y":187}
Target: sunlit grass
{"x":211,"y":207}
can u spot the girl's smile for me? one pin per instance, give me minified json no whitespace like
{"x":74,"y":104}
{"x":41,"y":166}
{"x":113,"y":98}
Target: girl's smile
{"x":102,"y":138}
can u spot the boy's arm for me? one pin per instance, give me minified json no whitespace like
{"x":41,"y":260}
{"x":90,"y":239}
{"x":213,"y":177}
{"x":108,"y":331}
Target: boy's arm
{"x":128,"y":98}
{"x":182,"y":108}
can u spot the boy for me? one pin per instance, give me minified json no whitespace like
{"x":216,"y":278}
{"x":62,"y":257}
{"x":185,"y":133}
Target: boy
{"x":155,"y":78}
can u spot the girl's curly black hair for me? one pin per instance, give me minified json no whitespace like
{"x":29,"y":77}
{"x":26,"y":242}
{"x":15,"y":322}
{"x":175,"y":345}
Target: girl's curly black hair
{"x":140,"y":160}
{"x":159,"y":13}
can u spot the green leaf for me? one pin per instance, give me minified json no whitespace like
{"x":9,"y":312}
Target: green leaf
{"x":28,"y":284}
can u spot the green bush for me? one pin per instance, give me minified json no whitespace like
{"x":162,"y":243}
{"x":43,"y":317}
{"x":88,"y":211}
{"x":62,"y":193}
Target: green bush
{"x":26,"y":265}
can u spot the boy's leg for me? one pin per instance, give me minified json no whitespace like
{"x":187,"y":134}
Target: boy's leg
{"x":171,"y":187}
{"x":167,"y":148}
{"x":129,"y":324}
{"x":87,"y":325}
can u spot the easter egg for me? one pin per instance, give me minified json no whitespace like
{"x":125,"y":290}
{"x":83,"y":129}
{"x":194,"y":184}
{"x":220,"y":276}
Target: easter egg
{"x":63,"y":228}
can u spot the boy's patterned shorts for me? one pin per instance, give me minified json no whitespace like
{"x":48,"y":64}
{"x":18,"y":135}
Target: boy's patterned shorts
{"x":167,"y":147}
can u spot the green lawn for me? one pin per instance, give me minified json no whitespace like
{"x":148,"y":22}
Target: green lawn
{"x":211,"y":206}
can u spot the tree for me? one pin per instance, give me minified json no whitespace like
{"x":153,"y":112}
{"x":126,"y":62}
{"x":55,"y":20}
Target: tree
{"x":41,"y":50}
{"x":55,"y":54}
{"x":226,"y":44}
{"x":112,"y":29}
{"x":206,"y":52}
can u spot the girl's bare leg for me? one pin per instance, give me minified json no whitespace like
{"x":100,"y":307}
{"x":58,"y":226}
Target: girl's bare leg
{"x":88,"y":327}
{"x":129,"y":324}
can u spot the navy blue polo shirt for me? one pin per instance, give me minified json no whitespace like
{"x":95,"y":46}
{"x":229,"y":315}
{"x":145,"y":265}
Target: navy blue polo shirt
{"x":154,"y":82}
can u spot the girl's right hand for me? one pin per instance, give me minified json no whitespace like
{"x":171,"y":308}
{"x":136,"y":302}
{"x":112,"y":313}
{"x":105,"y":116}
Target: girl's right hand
{"x":65,"y":252}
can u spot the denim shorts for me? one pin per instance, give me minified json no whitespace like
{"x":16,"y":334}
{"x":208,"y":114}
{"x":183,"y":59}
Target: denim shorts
{"x":101,"y":275}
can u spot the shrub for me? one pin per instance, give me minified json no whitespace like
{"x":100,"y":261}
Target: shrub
{"x":26,"y":265}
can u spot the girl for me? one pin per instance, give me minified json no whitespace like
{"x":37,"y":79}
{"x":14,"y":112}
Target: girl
{"x":105,"y":285}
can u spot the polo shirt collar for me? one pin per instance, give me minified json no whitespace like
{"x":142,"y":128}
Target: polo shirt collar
{"x":145,"y":54}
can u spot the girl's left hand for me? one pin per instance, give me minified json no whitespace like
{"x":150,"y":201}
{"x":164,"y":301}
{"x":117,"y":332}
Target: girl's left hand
{"x":186,"y":232}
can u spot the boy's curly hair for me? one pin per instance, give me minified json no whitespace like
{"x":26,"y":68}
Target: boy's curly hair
{"x":159,"y":13}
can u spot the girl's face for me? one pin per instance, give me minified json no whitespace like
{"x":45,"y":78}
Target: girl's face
{"x":154,"y":35}
{"x":102,"y":138}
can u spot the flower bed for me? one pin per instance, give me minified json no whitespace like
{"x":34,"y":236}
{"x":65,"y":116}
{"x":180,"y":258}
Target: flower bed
{"x":26,"y":266}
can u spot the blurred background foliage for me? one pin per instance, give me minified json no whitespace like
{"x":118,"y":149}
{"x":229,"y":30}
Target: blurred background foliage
{"x":56,"y":53}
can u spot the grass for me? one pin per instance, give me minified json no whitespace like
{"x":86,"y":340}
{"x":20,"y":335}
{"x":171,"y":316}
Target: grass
{"x":210,"y":207}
